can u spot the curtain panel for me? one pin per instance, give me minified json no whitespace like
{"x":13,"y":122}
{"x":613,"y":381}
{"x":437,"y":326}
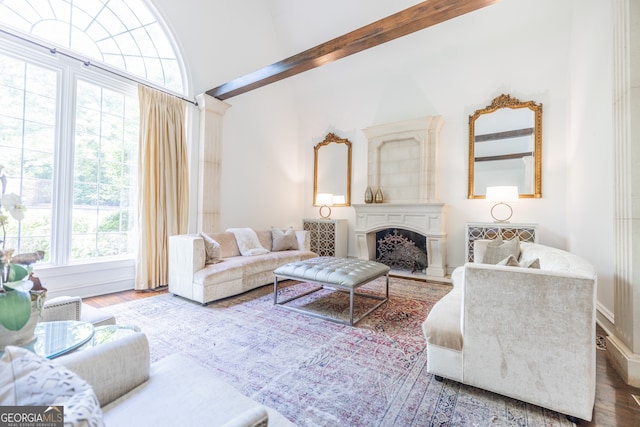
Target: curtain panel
{"x":163,"y":183}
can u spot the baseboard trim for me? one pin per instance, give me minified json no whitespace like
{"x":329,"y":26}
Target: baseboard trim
{"x":626,"y":363}
{"x":605,"y":319}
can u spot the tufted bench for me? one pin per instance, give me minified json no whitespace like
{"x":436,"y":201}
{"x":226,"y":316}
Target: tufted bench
{"x":346,"y":274}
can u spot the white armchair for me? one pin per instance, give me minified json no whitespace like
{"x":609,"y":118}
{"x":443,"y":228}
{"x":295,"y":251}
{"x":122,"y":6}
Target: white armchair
{"x":173,"y":391}
{"x":525,"y":333}
{"x":72,"y":308}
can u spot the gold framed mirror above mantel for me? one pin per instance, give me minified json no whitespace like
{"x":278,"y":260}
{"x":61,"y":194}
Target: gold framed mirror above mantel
{"x":505,"y":147}
{"x":332,"y":169}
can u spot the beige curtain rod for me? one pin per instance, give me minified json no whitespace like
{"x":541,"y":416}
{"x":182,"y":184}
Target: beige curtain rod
{"x":88,"y":63}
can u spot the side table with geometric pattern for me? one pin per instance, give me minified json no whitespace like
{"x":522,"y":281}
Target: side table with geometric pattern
{"x":493,"y":230}
{"x":328,"y":237}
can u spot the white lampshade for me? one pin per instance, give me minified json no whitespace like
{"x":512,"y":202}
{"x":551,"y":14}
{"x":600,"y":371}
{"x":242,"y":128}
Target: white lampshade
{"x":505,"y":193}
{"x":324,"y":199}
{"x":339,"y":199}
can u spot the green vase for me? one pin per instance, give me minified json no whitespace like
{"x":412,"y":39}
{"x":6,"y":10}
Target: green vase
{"x":19,"y":313}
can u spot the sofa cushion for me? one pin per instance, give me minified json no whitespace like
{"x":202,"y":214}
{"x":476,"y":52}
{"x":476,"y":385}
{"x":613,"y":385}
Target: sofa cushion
{"x":283,"y":240}
{"x":211,"y":249}
{"x":248,"y":241}
{"x":530,"y":263}
{"x":497,"y":250}
{"x":510,"y":261}
{"x":229,"y":269}
{"x":27,"y":379}
{"x":264,"y":236}
{"x":228,"y":246}
{"x":443,"y":325}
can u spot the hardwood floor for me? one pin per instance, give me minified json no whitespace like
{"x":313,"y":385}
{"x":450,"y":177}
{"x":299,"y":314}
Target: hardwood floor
{"x":615,"y":405}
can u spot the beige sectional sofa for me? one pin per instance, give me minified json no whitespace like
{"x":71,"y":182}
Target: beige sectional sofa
{"x":191,"y":277}
{"x":526,"y":333}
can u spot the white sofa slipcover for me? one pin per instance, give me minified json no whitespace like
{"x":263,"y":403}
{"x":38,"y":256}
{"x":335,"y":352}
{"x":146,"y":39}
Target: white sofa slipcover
{"x":524,"y":333}
{"x":174,"y":391}
{"x":189,"y":277}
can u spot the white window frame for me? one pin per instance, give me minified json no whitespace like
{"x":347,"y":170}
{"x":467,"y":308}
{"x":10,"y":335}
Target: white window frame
{"x":63,"y":276}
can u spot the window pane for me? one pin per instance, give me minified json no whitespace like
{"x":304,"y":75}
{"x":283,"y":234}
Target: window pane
{"x":109,"y":31}
{"x":27,"y":144}
{"x":105,"y":141}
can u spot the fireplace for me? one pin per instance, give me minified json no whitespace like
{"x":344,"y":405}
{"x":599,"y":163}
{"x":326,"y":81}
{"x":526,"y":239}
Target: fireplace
{"x":402,"y":163}
{"x":426,"y":219}
{"x":402,"y":250}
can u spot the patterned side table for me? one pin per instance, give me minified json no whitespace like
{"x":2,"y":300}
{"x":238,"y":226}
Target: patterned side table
{"x":493,"y":230}
{"x":328,"y":236}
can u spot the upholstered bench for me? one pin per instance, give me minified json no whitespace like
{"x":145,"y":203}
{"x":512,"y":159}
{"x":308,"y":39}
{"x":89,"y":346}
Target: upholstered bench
{"x":346,"y":274}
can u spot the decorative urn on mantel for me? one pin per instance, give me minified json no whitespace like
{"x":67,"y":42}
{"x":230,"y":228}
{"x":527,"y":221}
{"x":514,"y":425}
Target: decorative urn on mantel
{"x":368,"y":195}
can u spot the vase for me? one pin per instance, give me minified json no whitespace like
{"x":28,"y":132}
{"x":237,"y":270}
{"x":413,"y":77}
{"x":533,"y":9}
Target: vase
{"x":379,"y":196}
{"x":368,"y":195}
{"x":25,"y":334}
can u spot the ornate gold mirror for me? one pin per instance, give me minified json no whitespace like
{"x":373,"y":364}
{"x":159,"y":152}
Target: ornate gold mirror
{"x":332,"y":169}
{"x":505,"y":147}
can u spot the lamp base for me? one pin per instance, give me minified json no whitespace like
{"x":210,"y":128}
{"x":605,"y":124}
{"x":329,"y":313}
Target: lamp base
{"x":322,"y":213}
{"x":506,"y":213}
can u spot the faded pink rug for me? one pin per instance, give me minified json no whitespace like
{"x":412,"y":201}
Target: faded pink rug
{"x":320,"y":373}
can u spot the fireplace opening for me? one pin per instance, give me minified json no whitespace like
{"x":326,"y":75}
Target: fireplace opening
{"x":402,"y":250}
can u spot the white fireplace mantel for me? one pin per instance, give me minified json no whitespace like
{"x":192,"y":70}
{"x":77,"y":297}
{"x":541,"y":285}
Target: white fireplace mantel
{"x":424,"y":218}
{"x":402,"y":162}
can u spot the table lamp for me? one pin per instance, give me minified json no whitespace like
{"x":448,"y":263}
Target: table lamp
{"x":324,"y":200}
{"x":502,"y":194}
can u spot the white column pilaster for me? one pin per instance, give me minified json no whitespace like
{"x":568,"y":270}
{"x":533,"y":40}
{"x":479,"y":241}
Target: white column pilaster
{"x":623,"y":348}
{"x":209,"y":161}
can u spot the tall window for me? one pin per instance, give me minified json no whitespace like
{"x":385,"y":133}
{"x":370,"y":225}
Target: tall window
{"x":28,"y":110}
{"x":105,"y":170}
{"x":69,"y":135}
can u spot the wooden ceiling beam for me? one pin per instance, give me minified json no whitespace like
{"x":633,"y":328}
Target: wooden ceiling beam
{"x":415,"y":18}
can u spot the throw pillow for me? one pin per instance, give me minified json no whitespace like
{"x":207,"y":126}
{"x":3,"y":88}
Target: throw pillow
{"x":532,"y":263}
{"x":248,"y":241}
{"x":498,"y":250}
{"x":510,"y":261}
{"x":283,"y":240}
{"x":211,"y":249}
{"x":29,"y":379}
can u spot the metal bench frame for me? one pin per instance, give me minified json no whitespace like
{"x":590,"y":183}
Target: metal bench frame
{"x":333,"y":286}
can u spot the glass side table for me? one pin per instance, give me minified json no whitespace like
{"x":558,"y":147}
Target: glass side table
{"x":53,"y":339}
{"x":108,"y":333}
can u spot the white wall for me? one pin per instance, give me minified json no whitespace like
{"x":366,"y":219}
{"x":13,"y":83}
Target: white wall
{"x":520,"y":48}
{"x":551,"y":52}
{"x":262,"y":172}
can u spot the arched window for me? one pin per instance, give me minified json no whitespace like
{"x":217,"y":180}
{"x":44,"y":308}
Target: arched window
{"x":123,"y":34}
{"x":69,"y":140}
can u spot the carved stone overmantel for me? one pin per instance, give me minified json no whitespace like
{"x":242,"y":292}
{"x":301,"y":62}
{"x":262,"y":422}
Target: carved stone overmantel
{"x":403,"y":159}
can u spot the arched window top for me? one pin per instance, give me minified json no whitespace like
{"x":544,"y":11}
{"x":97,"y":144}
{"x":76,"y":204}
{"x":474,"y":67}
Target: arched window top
{"x":125,"y":34}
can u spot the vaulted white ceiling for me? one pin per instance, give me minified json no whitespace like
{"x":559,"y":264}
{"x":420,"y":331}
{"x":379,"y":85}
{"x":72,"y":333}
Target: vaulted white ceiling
{"x":300,"y":25}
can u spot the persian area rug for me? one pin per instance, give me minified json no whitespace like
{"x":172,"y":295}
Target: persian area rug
{"x":321,"y":373}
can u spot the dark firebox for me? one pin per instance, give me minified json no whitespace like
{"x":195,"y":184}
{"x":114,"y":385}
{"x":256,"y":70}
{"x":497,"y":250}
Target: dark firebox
{"x":401,"y":249}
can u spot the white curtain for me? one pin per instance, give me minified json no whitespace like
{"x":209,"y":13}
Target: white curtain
{"x":162,"y":183}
